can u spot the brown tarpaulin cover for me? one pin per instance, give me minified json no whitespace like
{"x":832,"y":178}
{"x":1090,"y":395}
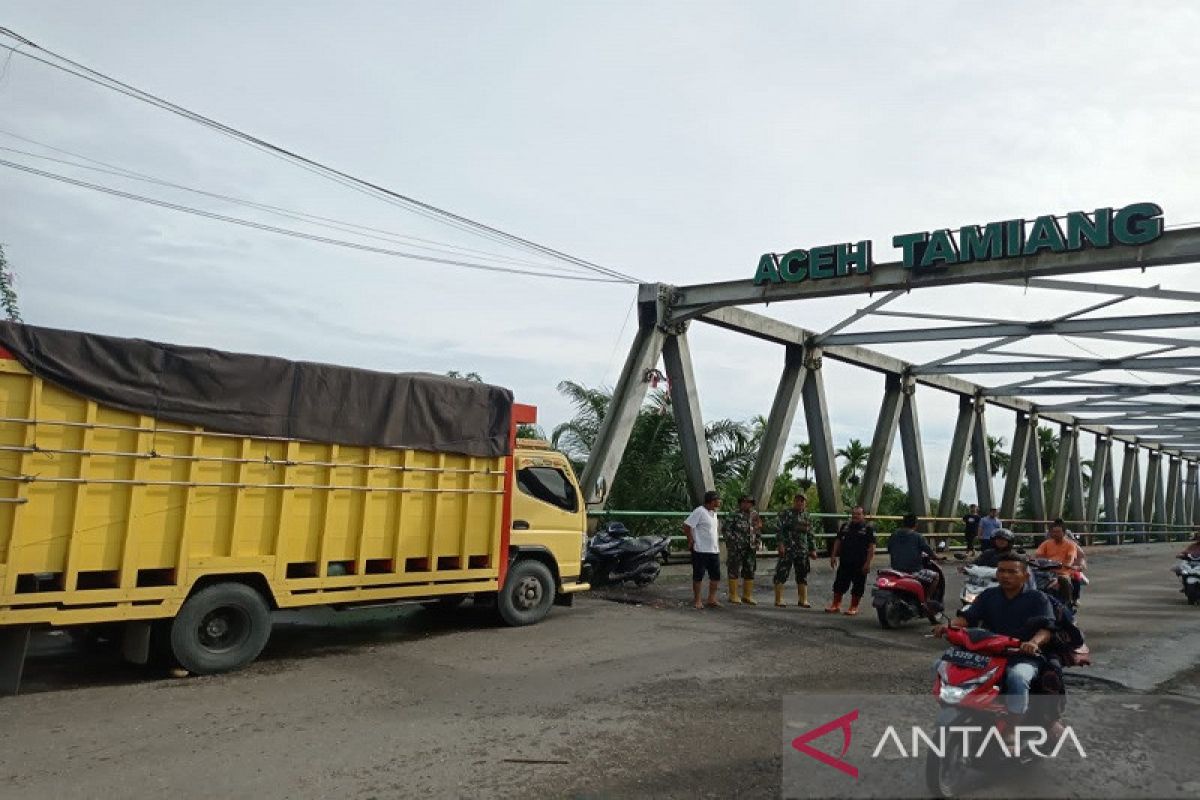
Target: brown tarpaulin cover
{"x":265,"y":396}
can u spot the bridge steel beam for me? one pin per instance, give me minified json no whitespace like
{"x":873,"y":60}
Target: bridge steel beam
{"x":1110,"y":492}
{"x":1062,"y":467}
{"x":1035,"y":480}
{"x":1068,"y":327}
{"x":1137,"y":514}
{"x":816,"y":417}
{"x":1075,"y":500}
{"x":911,"y":448}
{"x":1192,"y":503}
{"x":1171,"y":500}
{"x":685,"y":405}
{"x":1179,"y":246}
{"x":739,"y":320}
{"x":1016,"y":464}
{"x":981,"y":458}
{"x":1151,"y":511}
{"x":956,"y":464}
{"x":779,"y":424}
{"x":881,"y":444}
{"x":1181,"y":517}
{"x":1125,"y":498}
{"x":626,"y":403}
{"x":1101,"y":478}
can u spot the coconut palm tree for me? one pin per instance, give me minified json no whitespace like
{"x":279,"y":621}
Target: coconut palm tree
{"x":856,"y":455}
{"x":801,"y":459}
{"x":998,"y":456}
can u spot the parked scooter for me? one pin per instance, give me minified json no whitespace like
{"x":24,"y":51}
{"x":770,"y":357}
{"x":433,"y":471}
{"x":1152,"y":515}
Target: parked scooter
{"x":1188,"y":570}
{"x":615,"y":557}
{"x":901,"y":596}
{"x":969,"y":688}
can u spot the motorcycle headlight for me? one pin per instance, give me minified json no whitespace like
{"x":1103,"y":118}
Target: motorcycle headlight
{"x":969,"y":597}
{"x":952,"y":694}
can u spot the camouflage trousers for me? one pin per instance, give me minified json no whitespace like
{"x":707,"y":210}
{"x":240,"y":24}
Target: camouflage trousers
{"x":741,"y":560}
{"x":783,"y":567}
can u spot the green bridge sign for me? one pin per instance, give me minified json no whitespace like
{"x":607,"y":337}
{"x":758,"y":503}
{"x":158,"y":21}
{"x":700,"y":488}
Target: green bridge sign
{"x":1135,"y":224}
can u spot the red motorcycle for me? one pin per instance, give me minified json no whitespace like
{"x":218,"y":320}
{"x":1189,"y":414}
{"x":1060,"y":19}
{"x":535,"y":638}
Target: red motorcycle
{"x":969,"y":688}
{"x":901,"y":596}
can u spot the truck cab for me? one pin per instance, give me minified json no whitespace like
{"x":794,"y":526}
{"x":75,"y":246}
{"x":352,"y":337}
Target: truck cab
{"x":549,"y":517}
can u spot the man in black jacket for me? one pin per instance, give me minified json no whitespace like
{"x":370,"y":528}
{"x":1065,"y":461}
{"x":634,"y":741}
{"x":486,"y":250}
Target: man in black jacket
{"x":853,"y":551}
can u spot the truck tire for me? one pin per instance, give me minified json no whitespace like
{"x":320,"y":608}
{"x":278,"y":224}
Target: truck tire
{"x":220,"y":628}
{"x":527,"y":595}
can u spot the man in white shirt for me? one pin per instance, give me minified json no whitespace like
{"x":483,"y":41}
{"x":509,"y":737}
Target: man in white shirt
{"x":701,"y":529}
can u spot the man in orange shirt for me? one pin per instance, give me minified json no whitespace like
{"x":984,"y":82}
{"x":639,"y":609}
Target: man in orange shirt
{"x":1061,"y":549}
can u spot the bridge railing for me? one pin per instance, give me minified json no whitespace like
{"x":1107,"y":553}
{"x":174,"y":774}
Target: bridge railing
{"x":1028,"y":530}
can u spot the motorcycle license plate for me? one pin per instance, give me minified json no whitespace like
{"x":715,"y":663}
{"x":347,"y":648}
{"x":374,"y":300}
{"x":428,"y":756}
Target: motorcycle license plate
{"x":965,"y":658}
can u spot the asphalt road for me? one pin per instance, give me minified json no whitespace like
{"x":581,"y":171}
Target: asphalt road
{"x":628,"y":694}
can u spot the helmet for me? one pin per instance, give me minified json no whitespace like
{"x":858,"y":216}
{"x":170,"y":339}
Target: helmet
{"x":1005,"y":534}
{"x":616,"y":530}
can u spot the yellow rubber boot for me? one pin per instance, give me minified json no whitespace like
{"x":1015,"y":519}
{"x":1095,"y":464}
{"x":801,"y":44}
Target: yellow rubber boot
{"x":802,"y":595}
{"x":779,"y":596}
{"x":748,"y":592}
{"x":733,"y":592}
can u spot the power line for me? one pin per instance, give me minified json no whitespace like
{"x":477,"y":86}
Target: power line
{"x":413,"y":204}
{"x":326,"y":222}
{"x":294,"y":233}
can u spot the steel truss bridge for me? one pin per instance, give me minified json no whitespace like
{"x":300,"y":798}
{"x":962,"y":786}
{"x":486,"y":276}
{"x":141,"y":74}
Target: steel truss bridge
{"x":1159,"y":416}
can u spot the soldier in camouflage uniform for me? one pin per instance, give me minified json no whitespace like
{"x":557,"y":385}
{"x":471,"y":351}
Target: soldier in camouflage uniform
{"x":742,"y":530}
{"x":797,"y":545}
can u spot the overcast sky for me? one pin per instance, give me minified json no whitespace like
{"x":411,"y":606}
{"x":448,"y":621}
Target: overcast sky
{"x":672,"y":141}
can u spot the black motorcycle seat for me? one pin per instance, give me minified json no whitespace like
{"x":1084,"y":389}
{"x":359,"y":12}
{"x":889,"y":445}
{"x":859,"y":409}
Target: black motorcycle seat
{"x":639,"y":544}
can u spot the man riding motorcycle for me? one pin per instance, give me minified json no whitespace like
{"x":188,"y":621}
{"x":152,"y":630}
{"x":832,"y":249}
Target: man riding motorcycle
{"x":1058,"y":547}
{"x":1002,"y":545}
{"x":907,"y":551}
{"x":1012,"y":609}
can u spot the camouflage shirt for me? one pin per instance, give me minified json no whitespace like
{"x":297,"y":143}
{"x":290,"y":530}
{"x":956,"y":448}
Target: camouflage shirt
{"x":741,"y":530}
{"x":795,"y":532}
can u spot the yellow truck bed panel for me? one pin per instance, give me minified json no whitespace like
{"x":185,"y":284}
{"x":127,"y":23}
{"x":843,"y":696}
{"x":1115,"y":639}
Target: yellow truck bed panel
{"x":103,"y":509}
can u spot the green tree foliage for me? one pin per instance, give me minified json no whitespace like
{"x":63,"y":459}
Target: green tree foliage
{"x":8,"y":291}
{"x":465,"y":376}
{"x":998,"y":456}
{"x":801,"y":459}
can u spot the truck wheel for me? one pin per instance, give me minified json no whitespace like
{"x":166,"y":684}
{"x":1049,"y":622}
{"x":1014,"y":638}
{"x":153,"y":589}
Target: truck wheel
{"x":527,"y":595}
{"x":220,"y":628}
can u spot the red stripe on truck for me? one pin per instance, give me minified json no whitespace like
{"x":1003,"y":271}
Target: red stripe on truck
{"x":4,"y":354}
{"x":522,"y":415}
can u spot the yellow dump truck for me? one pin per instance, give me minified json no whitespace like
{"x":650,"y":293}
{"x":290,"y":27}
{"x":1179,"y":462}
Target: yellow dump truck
{"x":183,"y":493}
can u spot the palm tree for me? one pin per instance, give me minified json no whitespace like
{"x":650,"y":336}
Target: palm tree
{"x":1047,"y":450}
{"x":998,"y":456}
{"x":801,"y":459}
{"x":576,"y":436}
{"x":856,"y":455}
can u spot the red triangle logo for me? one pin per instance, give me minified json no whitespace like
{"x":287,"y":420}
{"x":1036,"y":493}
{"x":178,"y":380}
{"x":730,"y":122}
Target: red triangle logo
{"x":841,"y":723}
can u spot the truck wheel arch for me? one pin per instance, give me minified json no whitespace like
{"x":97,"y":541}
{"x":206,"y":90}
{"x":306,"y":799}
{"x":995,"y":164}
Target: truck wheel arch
{"x":255,"y":580}
{"x":535,"y":553}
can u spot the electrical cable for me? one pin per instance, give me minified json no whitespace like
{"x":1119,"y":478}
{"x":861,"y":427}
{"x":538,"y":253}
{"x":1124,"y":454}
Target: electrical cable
{"x":326,"y":222}
{"x":99,"y":78}
{"x":294,"y":233}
